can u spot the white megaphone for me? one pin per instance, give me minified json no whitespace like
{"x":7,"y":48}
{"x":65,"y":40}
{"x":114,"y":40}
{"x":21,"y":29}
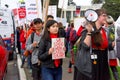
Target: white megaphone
{"x":91,"y":15}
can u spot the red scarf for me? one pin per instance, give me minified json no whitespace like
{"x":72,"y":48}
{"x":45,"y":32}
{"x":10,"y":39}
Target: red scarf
{"x":56,"y":61}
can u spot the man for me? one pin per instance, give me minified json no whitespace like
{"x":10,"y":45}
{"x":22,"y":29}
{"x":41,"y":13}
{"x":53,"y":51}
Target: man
{"x":50,"y":17}
{"x":33,"y":47}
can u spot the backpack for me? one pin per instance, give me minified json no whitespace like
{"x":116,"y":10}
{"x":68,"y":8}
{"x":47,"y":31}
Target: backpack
{"x":73,"y":35}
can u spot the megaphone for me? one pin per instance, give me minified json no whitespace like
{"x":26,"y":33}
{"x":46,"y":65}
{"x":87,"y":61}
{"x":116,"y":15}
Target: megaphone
{"x":91,"y":15}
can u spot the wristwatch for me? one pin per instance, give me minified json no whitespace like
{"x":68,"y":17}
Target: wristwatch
{"x":89,"y":34}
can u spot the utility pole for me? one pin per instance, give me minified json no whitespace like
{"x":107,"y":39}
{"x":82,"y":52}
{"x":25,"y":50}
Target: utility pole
{"x":46,"y":10}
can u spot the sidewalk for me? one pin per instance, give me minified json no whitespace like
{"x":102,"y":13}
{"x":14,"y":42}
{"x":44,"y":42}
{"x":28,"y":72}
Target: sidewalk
{"x":66,"y":75}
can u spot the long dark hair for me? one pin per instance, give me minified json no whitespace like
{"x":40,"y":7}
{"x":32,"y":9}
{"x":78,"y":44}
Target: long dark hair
{"x":97,"y":37}
{"x":46,"y":34}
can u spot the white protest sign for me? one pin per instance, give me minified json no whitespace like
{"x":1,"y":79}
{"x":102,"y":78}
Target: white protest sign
{"x":33,"y":9}
{"x":78,"y":22}
{"x":58,"y":45}
{"x":63,"y":4}
{"x":52,"y":10}
{"x":63,"y":20}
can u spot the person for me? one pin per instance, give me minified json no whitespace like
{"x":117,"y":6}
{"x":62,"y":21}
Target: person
{"x":67,"y":38}
{"x":51,"y":69}
{"x":23,"y":41}
{"x":29,"y":32}
{"x":26,"y":35}
{"x":112,"y":54}
{"x":72,"y":39}
{"x":18,"y":39}
{"x":91,"y":60}
{"x":50,"y":17}
{"x":33,"y":47}
{"x":61,"y":30}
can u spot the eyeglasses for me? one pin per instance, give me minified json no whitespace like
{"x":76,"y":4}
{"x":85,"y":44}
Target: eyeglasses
{"x":104,"y":15}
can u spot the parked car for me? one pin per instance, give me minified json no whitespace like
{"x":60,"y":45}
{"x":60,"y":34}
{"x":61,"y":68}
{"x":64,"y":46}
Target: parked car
{"x":7,"y":30}
{"x":3,"y":59}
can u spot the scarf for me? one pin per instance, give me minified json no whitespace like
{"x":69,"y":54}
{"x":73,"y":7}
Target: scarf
{"x":56,"y":61}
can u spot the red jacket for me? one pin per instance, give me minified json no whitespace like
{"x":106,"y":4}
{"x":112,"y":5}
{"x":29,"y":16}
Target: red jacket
{"x":22,"y":39}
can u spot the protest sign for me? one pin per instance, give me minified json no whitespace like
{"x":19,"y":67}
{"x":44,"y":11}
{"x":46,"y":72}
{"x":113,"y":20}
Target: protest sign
{"x":58,"y":45}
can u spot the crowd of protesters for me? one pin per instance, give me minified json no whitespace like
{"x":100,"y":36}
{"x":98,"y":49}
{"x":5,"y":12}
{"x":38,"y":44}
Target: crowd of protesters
{"x":37,"y":39}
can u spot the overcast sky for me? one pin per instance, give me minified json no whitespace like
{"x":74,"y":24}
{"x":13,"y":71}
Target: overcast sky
{"x":13,"y":3}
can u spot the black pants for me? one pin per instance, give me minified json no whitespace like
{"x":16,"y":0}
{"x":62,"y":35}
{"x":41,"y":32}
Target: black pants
{"x":115,"y":72}
{"x":19,"y":47}
{"x":36,"y":72}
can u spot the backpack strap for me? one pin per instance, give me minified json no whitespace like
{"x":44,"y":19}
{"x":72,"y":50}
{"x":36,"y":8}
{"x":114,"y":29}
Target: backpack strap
{"x":32,"y":37}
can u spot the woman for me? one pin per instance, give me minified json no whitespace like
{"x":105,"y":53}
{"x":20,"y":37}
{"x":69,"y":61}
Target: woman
{"x":51,"y":69}
{"x":95,"y":66}
{"x":112,"y":54}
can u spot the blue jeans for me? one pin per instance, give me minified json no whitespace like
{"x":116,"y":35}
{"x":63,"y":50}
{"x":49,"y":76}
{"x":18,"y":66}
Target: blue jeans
{"x":29,"y":61}
{"x":23,"y":57}
{"x":51,"y":73}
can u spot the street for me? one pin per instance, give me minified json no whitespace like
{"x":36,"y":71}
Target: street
{"x":66,"y":75}
{"x":12,"y":71}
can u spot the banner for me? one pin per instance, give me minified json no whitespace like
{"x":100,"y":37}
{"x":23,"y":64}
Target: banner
{"x":33,"y":9}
